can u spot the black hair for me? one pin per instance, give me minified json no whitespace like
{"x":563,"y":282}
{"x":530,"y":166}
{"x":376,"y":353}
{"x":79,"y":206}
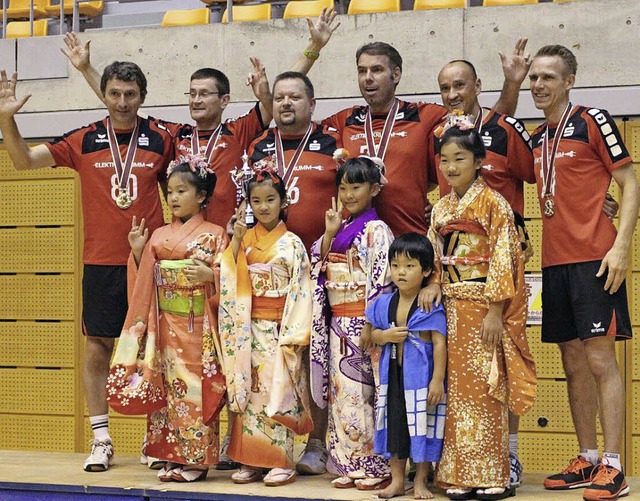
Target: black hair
{"x":358,"y":170}
{"x":125,"y":71}
{"x":381,"y":49}
{"x":296,"y":75}
{"x":568,"y":57}
{"x":467,"y":139}
{"x":415,"y":246}
{"x":276,"y":181}
{"x":206,"y":184}
{"x":222,"y":82}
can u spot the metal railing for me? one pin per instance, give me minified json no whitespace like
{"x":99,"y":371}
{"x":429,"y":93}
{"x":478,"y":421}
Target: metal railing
{"x":75,"y":17}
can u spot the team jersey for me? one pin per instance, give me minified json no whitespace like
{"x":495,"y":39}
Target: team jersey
{"x":313,"y":181}
{"x":235,"y":138}
{"x":590,"y":149}
{"x":106,"y":227}
{"x":409,"y":159}
{"x":509,"y":162}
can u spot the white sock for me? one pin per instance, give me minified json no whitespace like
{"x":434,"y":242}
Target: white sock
{"x":100,"y":427}
{"x":513,"y":445}
{"x":590,"y":455}
{"x":612,"y":459}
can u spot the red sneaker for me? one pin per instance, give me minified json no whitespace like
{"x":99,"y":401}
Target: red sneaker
{"x":608,"y":484}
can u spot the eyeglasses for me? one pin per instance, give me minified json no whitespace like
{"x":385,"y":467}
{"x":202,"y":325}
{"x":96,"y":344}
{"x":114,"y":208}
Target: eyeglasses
{"x":203,"y":94}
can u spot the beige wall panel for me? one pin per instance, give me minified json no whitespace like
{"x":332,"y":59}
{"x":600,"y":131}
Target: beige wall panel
{"x":37,"y":391}
{"x":39,"y":297}
{"x":37,"y":433}
{"x":38,"y":344}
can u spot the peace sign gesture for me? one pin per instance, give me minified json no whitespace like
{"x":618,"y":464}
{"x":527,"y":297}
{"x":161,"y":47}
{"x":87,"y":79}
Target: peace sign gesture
{"x":332,"y":219}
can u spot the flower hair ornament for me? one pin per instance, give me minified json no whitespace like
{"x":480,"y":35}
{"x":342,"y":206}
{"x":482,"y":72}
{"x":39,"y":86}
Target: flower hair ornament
{"x":197,"y":163}
{"x":456,"y":118}
{"x":381,"y":167}
{"x":340,"y":156}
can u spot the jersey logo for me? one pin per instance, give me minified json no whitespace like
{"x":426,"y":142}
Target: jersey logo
{"x":569,"y":130}
{"x":519,"y":127}
{"x":597,"y":327}
{"x":143,"y":140}
{"x":487,"y":140}
{"x":102,"y":138}
{"x":314,"y":146}
{"x":269,"y":147}
{"x":400,"y":115}
{"x":360,"y":118}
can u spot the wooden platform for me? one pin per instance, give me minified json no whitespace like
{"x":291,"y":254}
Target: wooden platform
{"x":37,"y":476}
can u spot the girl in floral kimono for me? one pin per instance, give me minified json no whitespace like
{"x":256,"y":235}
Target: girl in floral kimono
{"x":265,"y":324}
{"x":490,"y":367}
{"x":349,"y":263}
{"x":168,"y":361}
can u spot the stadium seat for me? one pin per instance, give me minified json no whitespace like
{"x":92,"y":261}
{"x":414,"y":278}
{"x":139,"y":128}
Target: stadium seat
{"x":186,"y":17}
{"x":438,"y":4}
{"x":370,"y":6}
{"x":86,"y":9}
{"x":22,"y":29}
{"x":260,"y":12}
{"x":19,"y":9}
{"x":305,"y":8}
{"x":493,"y":3}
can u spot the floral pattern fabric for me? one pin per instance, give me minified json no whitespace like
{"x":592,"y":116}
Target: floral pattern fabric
{"x":483,"y":383}
{"x":186,"y":358}
{"x":344,"y":375}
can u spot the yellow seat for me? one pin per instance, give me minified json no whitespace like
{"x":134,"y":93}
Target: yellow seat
{"x":22,"y":29}
{"x":86,"y":9}
{"x":19,"y":9}
{"x":187,"y":17}
{"x":493,"y":3}
{"x":371,"y":6}
{"x":260,"y":12}
{"x":438,"y":4}
{"x":304,"y":8}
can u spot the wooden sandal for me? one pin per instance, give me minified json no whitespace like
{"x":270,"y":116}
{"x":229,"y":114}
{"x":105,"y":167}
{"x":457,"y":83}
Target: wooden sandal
{"x":246,"y":475}
{"x":280,"y":476}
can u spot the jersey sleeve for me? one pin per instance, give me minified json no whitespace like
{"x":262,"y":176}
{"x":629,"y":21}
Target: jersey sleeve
{"x":519,"y":153}
{"x":607,"y":141}
{"x":335,"y":121}
{"x":246,"y":127}
{"x":64,"y":149}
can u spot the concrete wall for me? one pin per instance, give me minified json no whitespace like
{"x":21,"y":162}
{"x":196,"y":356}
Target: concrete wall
{"x":605,"y":35}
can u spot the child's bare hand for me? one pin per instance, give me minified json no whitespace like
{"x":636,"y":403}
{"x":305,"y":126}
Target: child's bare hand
{"x":239,"y":227}
{"x":435,"y":394}
{"x":138,"y":235}
{"x":491,"y":330}
{"x":198,"y":272}
{"x":332,"y":219}
{"x":365,"y":337}
{"x":395,"y":334}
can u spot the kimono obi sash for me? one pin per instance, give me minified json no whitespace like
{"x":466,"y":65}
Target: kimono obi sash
{"x":267,"y":299}
{"x":175,"y":293}
{"x":345,"y":284}
{"x":466,"y":250}
{"x":267,"y":308}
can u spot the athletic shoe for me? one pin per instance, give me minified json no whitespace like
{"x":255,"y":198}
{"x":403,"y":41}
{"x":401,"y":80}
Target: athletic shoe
{"x":314,"y":459}
{"x":515,"y":468}
{"x":101,"y":456}
{"x":608,"y":484}
{"x":577,"y":474}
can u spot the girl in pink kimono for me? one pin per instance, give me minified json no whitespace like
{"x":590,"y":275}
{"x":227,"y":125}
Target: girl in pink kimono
{"x":168,"y":361}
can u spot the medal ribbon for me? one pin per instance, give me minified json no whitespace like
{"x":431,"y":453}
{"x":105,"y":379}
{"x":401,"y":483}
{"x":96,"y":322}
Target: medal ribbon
{"x":381,"y":149}
{"x":549,"y":158}
{"x":478,"y":123}
{"x":211,"y":144}
{"x":285,"y":171}
{"x":123,"y":172}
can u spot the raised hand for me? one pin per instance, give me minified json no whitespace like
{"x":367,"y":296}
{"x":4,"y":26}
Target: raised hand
{"x":76,"y":52}
{"x":332,"y":219}
{"x":138,"y":235}
{"x":239,"y":227}
{"x":9,"y":104}
{"x":258,"y":80}
{"x":323,"y":28}
{"x":516,"y":67}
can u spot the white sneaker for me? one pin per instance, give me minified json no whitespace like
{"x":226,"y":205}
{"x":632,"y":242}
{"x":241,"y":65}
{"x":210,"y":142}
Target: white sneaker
{"x":101,"y":456}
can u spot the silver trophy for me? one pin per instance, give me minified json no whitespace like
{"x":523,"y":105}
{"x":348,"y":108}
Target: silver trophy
{"x":247,"y":174}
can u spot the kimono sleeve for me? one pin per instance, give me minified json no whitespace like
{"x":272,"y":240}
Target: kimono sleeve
{"x":373,"y":251}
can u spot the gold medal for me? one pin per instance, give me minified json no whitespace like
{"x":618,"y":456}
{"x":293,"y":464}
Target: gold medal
{"x":123,"y":200}
{"x":549,"y":206}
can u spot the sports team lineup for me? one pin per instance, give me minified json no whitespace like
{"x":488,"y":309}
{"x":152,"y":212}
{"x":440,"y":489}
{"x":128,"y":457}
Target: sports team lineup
{"x":306,"y":285}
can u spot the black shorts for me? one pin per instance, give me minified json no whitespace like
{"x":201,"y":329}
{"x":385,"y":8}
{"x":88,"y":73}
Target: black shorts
{"x":104,"y":300}
{"x":576,"y":306}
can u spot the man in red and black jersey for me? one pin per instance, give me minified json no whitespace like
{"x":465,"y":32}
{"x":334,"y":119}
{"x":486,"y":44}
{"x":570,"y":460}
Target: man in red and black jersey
{"x":584,"y":264}
{"x":120,"y":161}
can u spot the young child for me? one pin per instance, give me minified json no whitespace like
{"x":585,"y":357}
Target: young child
{"x":265,"y":324}
{"x":411,"y":407}
{"x":172,"y":277}
{"x":350,"y":264}
{"x":481,"y":266}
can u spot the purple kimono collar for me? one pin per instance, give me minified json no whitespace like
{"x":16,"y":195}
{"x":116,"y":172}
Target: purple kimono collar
{"x":349,"y":230}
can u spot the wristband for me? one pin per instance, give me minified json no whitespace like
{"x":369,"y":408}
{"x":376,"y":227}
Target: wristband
{"x":311,"y":55}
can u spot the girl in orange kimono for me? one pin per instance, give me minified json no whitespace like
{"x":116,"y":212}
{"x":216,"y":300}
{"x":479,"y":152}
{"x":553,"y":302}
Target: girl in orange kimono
{"x":180,"y":382}
{"x":265,"y":324}
{"x":490,"y":368}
